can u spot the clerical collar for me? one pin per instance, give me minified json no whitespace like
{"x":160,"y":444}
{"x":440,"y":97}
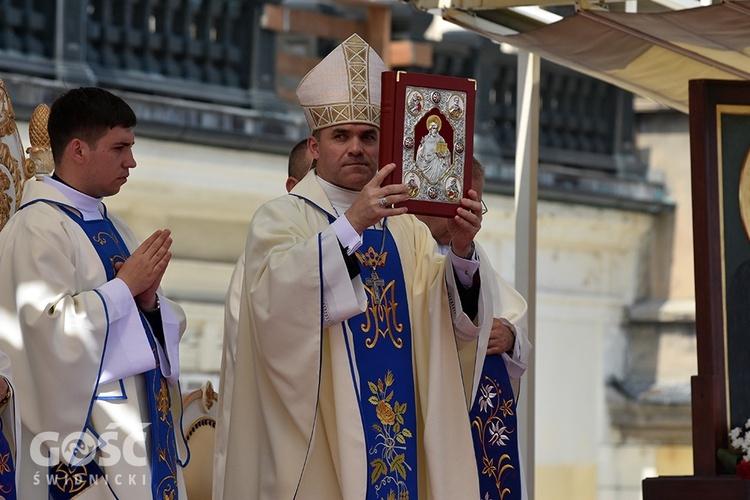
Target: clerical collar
{"x":341,"y":199}
{"x":88,"y":206}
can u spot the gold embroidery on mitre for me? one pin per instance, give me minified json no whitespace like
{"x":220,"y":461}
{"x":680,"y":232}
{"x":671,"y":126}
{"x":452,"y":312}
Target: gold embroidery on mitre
{"x":324,"y":116}
{"x":358,"y":102}
{"x":321,"y":116}
{"x":355,"y":56}
{"x":340,"y":113}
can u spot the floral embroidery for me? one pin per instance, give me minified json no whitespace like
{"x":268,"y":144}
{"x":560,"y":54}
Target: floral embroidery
{"x":490,"y":430}
{"x":389,"y":468}
{"x":485,"y":400}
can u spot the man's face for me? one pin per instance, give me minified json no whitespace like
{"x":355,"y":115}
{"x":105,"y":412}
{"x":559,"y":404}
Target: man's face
{"x":107,"y":163}
{"x":347,"y":154}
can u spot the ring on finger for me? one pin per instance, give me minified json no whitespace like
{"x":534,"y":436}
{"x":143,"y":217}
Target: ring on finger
{"x":384,"y":202}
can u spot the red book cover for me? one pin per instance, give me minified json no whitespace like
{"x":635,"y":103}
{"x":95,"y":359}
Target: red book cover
{"x":427,"y":130}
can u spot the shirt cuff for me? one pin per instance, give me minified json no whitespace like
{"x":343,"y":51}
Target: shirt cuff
{"x":119,"y":299}
{"x":343,"y":297}
{"x":347,"y":236}
{"x":465,"y":268}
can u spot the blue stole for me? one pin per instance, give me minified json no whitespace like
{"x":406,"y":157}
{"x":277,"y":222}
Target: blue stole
{"x":383,"y":372}
{"x":495,"y":434}
{"x":108,"y":244}
{"x":7,"y":469}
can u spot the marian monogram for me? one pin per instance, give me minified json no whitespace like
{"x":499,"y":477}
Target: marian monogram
{"x":380,"y":316}
{"x":383,"y":354}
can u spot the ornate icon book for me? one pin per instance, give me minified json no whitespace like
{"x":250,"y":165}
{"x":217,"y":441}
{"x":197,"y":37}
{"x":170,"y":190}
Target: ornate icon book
{"x":427,"y":130}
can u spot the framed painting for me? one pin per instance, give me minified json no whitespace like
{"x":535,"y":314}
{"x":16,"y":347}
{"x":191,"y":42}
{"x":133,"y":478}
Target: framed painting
{"x":720,"y":165}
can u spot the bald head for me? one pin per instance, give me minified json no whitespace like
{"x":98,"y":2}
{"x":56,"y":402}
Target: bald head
{"x":300,"y":162}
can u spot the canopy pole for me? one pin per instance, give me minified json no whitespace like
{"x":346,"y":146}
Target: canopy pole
{"x":526,"y":198}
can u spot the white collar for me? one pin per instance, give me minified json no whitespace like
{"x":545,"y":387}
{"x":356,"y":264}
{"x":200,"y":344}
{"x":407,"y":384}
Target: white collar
{"x":88,"y":206}
{"x":341,"y":199}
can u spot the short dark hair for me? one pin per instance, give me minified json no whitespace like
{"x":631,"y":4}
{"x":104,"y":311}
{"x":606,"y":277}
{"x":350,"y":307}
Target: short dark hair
{"x":298,"y":165}
{"x":86,"y":113}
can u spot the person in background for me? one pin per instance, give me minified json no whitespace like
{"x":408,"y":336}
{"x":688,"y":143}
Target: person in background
{"x":93,"y":342}
{"x":349,"y":322}
{"x":301,"y":162}
{"x":494,"y":390}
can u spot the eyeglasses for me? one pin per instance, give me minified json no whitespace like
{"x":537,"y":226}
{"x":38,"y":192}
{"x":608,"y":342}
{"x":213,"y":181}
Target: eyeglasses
{"x":484,"y":208}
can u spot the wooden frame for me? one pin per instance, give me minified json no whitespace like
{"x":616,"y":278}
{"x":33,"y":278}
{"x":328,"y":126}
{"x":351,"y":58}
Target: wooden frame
{"x":720,"y":166}
{"x":719,"y":125}
{"x":427,"y":130}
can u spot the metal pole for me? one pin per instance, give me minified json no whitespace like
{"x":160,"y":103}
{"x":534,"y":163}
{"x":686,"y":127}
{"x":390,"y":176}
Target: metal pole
{"x":526,"y":197}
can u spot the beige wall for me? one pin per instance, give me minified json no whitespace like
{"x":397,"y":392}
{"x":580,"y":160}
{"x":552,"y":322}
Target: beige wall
{"x":664,"y":145}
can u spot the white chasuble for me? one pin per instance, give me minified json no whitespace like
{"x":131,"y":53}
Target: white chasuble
{"x":56,"y":325}
{"x":296,"y":429}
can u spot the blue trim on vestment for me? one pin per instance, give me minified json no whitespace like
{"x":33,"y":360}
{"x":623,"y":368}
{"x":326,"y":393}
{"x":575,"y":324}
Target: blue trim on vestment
{"x":98,"y":377}
{"x":67,"y":209}
{"x":182,"y":431}
{"x":45,"y":200}
{"x":122,"y":396}
{"x":320,"y":362}
{"x":111,"y":248}
{"x":383,"y":347}
{"x":331,"y":217}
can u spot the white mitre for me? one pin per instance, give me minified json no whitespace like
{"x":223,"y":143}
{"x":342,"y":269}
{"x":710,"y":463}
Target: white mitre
{"x":344,"y":87}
